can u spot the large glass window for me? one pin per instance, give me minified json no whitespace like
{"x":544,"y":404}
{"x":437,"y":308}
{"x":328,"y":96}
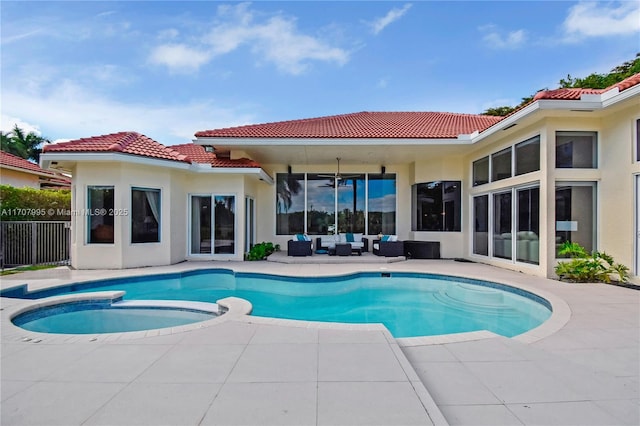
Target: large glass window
{"x":100,"y":203}
{"x":481,"y":225}
{"x":145,"y":215}
{"x":528,"y":156}
{"x":382,"y":204}
{"x":575,"y":214}
{"x":481,"y":171}
{"x":501,"y":165}
{"x":225,"y":224}
{"x":577,"y":150}
{"x":351,"y":204}
{"x":321,"y":204}
{"x":502,"y":223}
{"x":364,"y":203}
{"x":289,"y":203}
{"x":528,"y":217}
{"x":436,"y":206}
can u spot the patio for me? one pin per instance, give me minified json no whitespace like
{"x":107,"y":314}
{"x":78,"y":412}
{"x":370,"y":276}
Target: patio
{"x":264,"y":371}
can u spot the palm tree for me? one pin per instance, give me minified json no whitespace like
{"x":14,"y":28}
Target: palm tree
{"x":25,"y":145}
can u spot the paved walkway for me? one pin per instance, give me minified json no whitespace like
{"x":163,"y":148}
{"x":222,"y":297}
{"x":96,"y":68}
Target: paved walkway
{"x":256,"y":371}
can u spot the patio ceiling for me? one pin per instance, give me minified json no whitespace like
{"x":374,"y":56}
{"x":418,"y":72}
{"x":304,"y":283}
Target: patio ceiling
{"x":311,"y":154}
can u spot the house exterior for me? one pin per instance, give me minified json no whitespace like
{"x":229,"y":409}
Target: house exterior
{"x":505,"y":191}
{"x":18,"y":172}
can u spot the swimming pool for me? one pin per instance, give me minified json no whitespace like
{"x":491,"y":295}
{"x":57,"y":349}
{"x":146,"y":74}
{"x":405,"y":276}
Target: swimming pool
{"x":408,"y":304}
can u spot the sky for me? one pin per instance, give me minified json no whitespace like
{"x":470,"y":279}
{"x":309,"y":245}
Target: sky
{"x":168,"y":69}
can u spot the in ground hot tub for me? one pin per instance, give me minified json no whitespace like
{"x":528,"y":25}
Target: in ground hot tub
{"x":112,"y":315}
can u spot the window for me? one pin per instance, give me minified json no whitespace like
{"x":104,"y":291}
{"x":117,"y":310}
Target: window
{"x":100,"y":222}
{"x":638,"y":140}
{"x":145,"y":215}
{"x":201,"y":224}
{"x":436,"y":206}
{"x":576,"y":150}
{"x":502,"y":221}
{"x":575,"y":214}
{"x":528,"y":217}
{"x":481,"y":225}
{"x":528,"y":156}
{"x":382,"y":204}
{"x":351,"y":204}
{"x":481,"y":171}
{"x":225,"y":224}
{"x":289,"y":203}
{"x":320,"y":205}
{"x":501,"y":165}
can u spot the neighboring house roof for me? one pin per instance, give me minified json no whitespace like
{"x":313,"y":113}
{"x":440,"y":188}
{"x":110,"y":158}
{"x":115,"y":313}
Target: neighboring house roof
{"x":198,"y":154}
{"x":15,"y":162}
{"x":47,"y":178}
{"x":137,"y":144}
{"x":124,"y":142}
{"x":423,"y":125}
{"x":576,"y":93}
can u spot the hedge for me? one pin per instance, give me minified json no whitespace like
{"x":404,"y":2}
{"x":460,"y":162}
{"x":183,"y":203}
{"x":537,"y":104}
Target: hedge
{"x":24,"y":204}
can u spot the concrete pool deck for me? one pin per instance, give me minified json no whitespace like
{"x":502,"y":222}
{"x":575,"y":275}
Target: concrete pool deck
{"x":584,"y":369}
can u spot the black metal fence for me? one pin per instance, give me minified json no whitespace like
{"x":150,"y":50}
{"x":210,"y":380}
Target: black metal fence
{"x":34,"y":243}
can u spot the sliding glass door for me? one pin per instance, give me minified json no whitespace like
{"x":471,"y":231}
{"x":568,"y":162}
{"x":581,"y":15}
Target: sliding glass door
{"x":515,"y":218}
{"x":213,"y":224}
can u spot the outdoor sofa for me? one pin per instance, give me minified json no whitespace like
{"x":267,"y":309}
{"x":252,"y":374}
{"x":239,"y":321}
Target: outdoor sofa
{"x":324,"y":243}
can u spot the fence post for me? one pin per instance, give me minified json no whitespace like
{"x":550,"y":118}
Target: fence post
{"x":34,"y":243}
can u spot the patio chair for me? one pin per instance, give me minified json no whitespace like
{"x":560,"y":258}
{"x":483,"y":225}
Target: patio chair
{"x":299,"y":248}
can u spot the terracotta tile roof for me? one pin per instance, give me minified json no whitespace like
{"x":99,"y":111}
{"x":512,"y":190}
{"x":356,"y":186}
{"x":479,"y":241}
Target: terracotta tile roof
{"x":575,"y":93}
{"x":430,"y":125}
{"x":11,"y":160}
{"x":126,"y":142}
{"x":198,"y":154}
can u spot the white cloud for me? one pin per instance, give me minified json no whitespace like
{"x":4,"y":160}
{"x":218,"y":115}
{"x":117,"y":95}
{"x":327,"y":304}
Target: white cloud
{"x":7,"y":123}
{"x":73,"y":111}
{"x":18,"y":37}
{"x":392,"y":16}
{"x":275,"y":40}
{"x":168,"y":34}
{"x":592,"y":19}
{"x":180,"y":58}
{"x":495,"y":40}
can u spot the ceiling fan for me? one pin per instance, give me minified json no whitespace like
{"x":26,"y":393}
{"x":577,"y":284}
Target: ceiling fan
{"x":337,"y":176}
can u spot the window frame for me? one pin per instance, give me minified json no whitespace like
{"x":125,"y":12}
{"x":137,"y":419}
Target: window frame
{"x":159,"y":220}
{"x":594,"y":148}
{"x":528,"y":142}
{"x":103,"y":211}
{"x":457,"y":215}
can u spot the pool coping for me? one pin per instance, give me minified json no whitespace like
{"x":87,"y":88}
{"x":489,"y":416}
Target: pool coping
{"x":239,"y":308}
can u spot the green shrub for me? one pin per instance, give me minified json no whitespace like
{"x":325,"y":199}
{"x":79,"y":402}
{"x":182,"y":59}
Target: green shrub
{"x":261,"y":251}
{"x":587,"y":267}
{"x":24,"y":204}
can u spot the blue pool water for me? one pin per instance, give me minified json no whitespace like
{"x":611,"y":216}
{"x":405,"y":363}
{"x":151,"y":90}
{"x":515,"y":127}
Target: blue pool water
{"x":95,"y":317}
{"x":408,"y":304}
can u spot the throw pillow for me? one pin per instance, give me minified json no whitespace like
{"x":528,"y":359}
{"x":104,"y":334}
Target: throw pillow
{"x":300,"y":237}
{"x":385,"y":238}
{"x":350,"y":237}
